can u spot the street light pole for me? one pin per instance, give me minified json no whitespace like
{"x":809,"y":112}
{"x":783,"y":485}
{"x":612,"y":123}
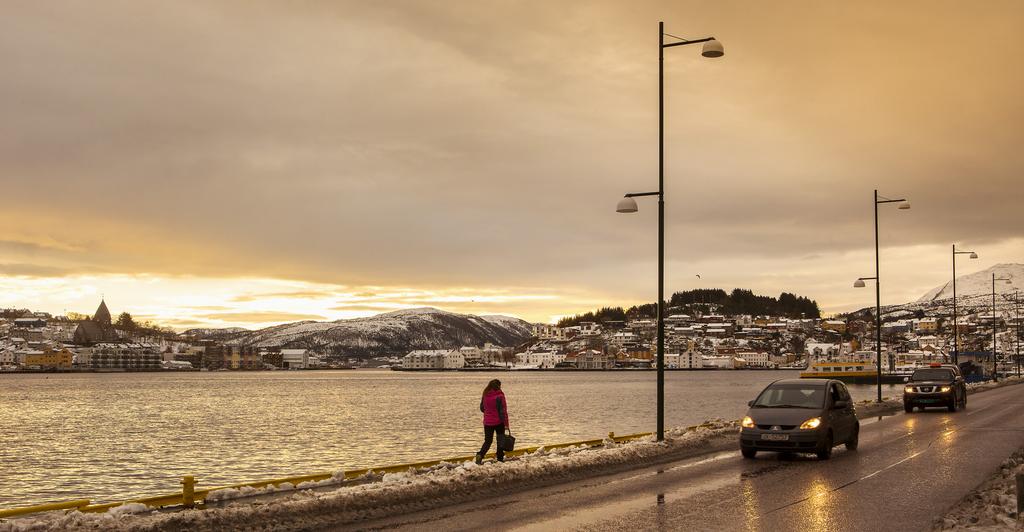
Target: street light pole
{"x":904,"y":204}
{"x":711,"y":48}
{"x":995,"y":367}
{"x":956,"y":330}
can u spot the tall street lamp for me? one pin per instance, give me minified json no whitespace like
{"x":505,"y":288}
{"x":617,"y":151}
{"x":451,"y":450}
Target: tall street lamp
{"x":711,"y":48}
{"x":1016,"y":311}
{"x":904,"y":205}
{"x":995,"y":372}
{"x":956,"y":331}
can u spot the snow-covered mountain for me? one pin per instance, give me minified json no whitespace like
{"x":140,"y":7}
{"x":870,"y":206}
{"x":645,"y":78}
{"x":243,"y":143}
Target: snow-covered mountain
{"x":391,"y":333}
{"x":979,"y":283}
{"x":973,"y":296}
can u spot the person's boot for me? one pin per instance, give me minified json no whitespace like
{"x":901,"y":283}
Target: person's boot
{"x":479,"y":458}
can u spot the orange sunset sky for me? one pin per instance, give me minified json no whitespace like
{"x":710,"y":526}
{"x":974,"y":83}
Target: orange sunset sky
{"x":253,"y":162}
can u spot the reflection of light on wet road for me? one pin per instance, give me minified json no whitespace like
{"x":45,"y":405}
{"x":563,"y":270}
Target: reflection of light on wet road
{"x":751,"y":509}
{"x":817,"y":493}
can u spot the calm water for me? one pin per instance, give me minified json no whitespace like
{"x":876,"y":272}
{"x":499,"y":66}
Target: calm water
{"x":111,"y":436}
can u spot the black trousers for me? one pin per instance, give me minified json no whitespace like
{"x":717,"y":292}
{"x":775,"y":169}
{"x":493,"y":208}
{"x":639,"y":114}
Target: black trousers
{"x":489,"y":432}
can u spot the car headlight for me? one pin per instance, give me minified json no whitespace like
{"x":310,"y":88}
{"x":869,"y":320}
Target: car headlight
{"x":747,"y":422}
{"x":946,"y":389}
{"x":811,"y":423}
{"x":908,"y":389}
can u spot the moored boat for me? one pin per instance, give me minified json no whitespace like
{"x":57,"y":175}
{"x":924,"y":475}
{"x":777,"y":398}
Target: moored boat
{"x":849,"y":371}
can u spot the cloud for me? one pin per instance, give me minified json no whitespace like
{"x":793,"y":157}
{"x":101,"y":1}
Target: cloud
{"x":266,"y":316}
{"x":33,"y":270}
{"x":299,"y":294}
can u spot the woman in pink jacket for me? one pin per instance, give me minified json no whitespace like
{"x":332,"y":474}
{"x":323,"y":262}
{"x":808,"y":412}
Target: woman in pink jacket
{"x":495,"y":409}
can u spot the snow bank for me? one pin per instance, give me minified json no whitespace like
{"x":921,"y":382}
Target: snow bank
{"x":992,"y":506}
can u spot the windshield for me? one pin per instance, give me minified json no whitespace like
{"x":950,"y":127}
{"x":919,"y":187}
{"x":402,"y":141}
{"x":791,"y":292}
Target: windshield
{"x":791,"y":396}
{"x":937,"y":374}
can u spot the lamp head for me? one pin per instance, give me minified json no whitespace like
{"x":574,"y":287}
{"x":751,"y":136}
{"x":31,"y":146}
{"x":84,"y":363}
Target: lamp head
{"x":859,"y":283}
{"x":904,"y":205}
{"x":712,"y":48}
{"x":626,"y":205}
{"x":974,"y":255}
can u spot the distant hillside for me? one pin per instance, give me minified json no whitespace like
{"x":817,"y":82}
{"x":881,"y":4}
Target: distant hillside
{"x":973,"y":296}
{"x":227,"y":333}
{"x":739,"y":301}
{"x":389,"y":334}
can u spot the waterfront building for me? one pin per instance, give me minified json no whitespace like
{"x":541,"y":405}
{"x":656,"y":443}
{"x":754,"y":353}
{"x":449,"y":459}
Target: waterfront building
{"x":48,"y":359}
{"x":424,"y":359}
{"x":232,"y":357}
{"x":594,"y":359}
{"x":294,"y":358}
{"x":545,"y":359}
{"x":755,"y":359}
{"x":124,"y":356}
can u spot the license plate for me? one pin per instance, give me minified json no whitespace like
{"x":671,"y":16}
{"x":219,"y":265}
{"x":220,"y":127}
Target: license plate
{"x":927,"y":400}
{"x":775,"y":437}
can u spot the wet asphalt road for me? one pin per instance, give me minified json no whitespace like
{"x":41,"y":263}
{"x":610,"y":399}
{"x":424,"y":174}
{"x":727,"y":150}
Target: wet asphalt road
{"x":909,"y":469}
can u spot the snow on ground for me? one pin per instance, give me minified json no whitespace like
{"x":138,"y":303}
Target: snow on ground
{"x":992,"y":506}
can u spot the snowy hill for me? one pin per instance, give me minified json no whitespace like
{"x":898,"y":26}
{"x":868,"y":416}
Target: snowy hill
{"x":391,"y":333}
{"x":973,"y":296}
{"x":979,"y":283}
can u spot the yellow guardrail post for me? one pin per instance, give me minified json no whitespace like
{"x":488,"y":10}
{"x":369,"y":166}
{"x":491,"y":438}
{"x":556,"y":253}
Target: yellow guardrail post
{"x":188,"y":491}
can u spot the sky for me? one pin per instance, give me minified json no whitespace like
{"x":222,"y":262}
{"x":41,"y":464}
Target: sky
{"x":247,"y":163}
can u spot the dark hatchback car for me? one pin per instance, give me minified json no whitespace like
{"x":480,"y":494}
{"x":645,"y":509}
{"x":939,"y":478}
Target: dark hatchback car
{"x":935,"y":386}
{"x":802,"y":416}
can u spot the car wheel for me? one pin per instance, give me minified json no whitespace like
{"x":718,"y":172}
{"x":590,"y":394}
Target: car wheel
{"x":825,"y":451}
{"x":908,"y":408}
{"x":748,"y":453}
{"x":952,"y":405}
{"x":851,"y":444}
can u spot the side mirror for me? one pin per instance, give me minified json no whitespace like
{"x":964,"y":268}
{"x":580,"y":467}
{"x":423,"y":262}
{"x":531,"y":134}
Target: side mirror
{"x":906,"y":379}
{"x":750,"y":403}
{"x":841,"y":404}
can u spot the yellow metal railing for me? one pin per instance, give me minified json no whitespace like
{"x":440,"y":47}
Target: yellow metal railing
{"x":191,"y":497}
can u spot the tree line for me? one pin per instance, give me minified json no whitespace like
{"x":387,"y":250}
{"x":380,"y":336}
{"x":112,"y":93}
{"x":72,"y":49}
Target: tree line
{"x":704,"y":300}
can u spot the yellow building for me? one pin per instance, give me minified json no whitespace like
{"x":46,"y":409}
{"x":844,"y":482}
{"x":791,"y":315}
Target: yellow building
{"x":49,"y":359}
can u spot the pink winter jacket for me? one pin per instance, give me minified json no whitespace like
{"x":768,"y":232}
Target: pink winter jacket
{"x":495,"y":408}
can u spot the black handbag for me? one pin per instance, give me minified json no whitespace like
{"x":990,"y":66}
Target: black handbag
{"x":508,"y":443}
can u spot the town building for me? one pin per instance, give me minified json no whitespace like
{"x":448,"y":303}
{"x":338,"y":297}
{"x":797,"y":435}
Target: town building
{"x":594,"y":359}
{"x":294,"y":358}
{"x":96,"y":330}
{"x":49,"y":359}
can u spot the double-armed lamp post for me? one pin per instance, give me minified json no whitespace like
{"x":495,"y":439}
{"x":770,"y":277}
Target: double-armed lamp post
{"x":859,"y":283}
{"x":995,"y":367}
{"x":956,"y":330}
{"x":712,"y":48}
